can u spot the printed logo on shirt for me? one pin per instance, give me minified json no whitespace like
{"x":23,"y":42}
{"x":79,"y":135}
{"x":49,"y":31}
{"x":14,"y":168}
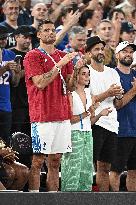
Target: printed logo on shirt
{"x":11,"y":42}
{"x":4,"y":79}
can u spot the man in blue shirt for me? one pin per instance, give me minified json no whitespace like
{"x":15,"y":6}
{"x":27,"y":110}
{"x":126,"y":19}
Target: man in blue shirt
{"x":9,"y":72}
{"x":125,"y":157}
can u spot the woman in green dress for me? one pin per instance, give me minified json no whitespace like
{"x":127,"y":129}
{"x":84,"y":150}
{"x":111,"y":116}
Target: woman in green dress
{"x":77,"y":166}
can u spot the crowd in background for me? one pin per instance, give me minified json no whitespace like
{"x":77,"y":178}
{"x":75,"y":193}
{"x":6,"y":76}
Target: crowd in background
{"x":75,"y":21}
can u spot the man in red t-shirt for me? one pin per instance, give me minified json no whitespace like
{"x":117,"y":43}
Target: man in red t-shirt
{"x":47,"y":72}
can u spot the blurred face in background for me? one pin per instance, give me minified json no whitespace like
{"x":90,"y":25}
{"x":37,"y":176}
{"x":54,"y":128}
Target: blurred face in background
{"x":96,"y":18}
{"x":11,"y":11}
{"x":78,"y":42}
{"x":133,"y":18}
{"x":40,"y":11}
{"x":118,"y":16}
{"x":22,"y":3}
{"x":23,"y":42}
{"x":105,"y":31}
{"x":3,"y":42}
{"x":99,"y":10}
{"x":112,"y":43}
{"x":128,"y":36}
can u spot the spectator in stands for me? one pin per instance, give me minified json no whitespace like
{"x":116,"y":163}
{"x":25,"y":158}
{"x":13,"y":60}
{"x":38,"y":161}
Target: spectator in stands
{"x":24,"y":17}
{"x":89,"y":20}
{"x":56,"y":7}
{"x":11,"y":11}
{"x":77,"y":42}
{"x":39,"y":13}
{"x":1,"y":11}
{"x":62,"y":30}
{"x":64,"y":17}
{"x":109,"y":5}
{"x":127,"y":3}
{"x":47,"y":71}
{"x":119,"y":14}
{"x":127,"y":6}
{"x":19,"y":99}
{"x":127,"y":32}
{"x":77,"y":167}
{"x":105,"y":85}
{"x":9,"y":73}
{"x":133,"y":18}
{"x":125,"y":157}
{"x":105,"y":31}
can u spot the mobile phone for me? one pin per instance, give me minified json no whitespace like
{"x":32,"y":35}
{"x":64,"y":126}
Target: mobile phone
{"x":17,"y":58}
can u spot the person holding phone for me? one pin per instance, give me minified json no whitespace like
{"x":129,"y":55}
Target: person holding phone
{"x":9,"y":73}
{"x":19,"y":99}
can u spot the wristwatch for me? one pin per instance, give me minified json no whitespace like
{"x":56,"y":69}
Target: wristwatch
{"x":118,"y":97}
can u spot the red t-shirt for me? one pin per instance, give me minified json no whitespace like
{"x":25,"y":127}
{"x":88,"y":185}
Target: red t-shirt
{"x":50,"y":104}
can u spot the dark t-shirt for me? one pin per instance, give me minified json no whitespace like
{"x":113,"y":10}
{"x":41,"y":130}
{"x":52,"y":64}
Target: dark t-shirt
{"x":19,"y":93}
{"x":11,"y":39}
{"x":24,"y":17}
{"x":35,"y":40}
{"x":127,"y":114}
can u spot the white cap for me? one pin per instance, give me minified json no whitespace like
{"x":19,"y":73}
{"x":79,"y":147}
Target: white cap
{"x":123,"y":45}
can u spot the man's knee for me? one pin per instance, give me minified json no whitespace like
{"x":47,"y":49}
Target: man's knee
{"x":54,"y":161}
{"x":131,"y":173}
{"x":103,"y":167}
{"x":38,"y":160}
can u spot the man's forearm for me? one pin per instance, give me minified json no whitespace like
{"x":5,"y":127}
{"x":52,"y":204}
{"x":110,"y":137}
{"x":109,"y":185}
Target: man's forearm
{"x":60,"y":35}
{"x":126,"y":99}
{"x":101,"y":97}
{"x":15,"y":78}
{"x":41,"y":81}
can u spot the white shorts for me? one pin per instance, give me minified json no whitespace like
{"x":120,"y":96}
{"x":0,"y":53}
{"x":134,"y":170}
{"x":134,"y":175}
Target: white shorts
{"x":51,"y":137}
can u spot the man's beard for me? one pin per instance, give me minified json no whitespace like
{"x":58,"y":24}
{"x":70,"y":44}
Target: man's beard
{"x":99,"y":58}
{"x":126,"y":62}
{"x":49,"y":42}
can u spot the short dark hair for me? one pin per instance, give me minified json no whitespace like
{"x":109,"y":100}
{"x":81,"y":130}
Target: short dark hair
{"x":118,"y":10}
{"x":47,"y":21}
{"x":87,"y":14}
